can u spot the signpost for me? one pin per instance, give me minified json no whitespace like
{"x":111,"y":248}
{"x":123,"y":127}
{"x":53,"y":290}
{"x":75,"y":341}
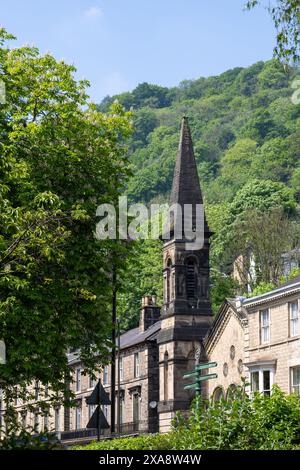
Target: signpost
{"x":197,"y":375}
{"x":98,"y":397}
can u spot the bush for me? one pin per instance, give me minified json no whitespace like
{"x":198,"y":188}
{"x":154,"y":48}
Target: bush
{"x":243,"y":423}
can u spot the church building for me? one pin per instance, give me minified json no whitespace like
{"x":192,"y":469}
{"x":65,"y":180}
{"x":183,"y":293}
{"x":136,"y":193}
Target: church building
{"x":256,"y":338}
{"x":169,"y":340}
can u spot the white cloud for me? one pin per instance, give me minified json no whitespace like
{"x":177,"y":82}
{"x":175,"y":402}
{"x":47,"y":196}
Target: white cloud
{"x":93,"y":13}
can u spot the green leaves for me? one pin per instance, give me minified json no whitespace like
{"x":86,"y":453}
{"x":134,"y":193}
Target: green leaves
{"x":243,"y":423}
{"x":60,"y":159}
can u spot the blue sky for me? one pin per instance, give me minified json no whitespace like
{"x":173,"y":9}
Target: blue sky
{"x":117,"y":44}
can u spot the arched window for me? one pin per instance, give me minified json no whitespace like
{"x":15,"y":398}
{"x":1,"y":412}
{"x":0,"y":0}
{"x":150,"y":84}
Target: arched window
{"x":191,"y":279}
{"x":168,"y":281}
{"x":166,"y":378}
{"x":218,"y":394}
{"x":231,"y":392}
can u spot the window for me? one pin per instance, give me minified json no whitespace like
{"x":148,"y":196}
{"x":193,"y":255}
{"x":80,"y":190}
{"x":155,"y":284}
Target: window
{"x":78,"y":380}
{"x":37,"y":390}
{"x":264,"y":326}
{"x":24,"y":419}
{"x":261,"y":381}
{"x":36,"y":421}
{"x":121,"y":369}
{"x":46,"y":391}
{"x":166,"y":378}
{"x":255,"y":381}
{"x":294,"y":318}
{"x":168,"y":281}
{"x":295,"y":380}
{"x":57,"y":420}
{"x":105,"y":411}
{"x":92,"y":382}
{"x":136,"y":365}
{"x":218,"y":394}
{"x":191,"y":279}
{"x":46,"y":422}
{"x":105,"y":375}
{"x":122,"y":409}
{"x":78,"y":417}
{"x":91,"y":410}
{"x":232,"y":392}
{"x":136,"y":407}
{"x":266,"y":382}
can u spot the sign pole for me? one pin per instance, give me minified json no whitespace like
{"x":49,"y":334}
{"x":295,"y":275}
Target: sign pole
{"x":199,"y":378}
{"x":99,"y":411}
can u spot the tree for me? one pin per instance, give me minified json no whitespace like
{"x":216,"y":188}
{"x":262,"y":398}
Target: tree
{"x":60,"y":159}
{"x":261,"y":239}
{"x":286,"y":18}
{"x":237,"y":160}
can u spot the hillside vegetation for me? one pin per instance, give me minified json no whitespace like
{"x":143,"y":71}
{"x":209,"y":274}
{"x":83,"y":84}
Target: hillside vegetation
{"x":246,"y":132}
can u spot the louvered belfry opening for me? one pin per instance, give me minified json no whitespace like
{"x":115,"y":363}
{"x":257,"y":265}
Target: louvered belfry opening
{"x":191,"y":279}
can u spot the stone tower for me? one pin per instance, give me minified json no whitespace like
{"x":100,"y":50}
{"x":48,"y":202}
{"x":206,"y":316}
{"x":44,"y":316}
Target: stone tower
{"x":186,"y":313}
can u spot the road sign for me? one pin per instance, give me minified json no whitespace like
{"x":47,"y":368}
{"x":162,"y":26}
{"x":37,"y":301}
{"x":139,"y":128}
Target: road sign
{"x":188,"y":387}
{"x":199,"y":378}
{"x":97,"y":420}
{"x":208,"y":365}
{"x":93,"y":399}
{"x":207,"y":377}
{"x":192,"y":374}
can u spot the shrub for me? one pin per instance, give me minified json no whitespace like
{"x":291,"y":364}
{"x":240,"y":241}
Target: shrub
{"x":243,"y":423}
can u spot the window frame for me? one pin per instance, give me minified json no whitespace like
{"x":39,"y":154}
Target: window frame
{"x":136,"y":365}
{"x":57,"y":419}
{"x":78,"y":379}
{"x":293,"y":320}
{"x":263,"y":328}
{"x":121,"y":368}
{"x":105,"y":375}
{"x":291,"y":380}
{"x":261,"y":371}
{"x":78,"y":416}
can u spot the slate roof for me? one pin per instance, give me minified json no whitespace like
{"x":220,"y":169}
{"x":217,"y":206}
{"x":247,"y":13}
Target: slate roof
{"x":282,"y":290}
{"x":135,"y":336}
{"x":127,"y":339}
{"x":186,"y":186}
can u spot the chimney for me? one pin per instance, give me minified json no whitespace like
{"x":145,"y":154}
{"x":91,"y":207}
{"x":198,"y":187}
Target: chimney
{"x":149,"y":313}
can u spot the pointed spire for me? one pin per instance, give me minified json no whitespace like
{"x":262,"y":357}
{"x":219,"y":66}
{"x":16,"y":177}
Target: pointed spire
{"x":186,"y":186}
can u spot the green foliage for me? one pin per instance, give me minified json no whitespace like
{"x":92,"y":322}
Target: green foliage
{"x":222,"y":286}
{"x":286,"y":17}
{"x":245,"y":130}
{"x":262,"y":288}
{"x":144,"y":95}
{"x":295,"y":272}
{"x":242,"y":423}
{"x":60,"y":159}
{"x":143,"y":278}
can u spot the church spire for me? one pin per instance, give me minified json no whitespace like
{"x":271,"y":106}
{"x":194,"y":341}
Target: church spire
{"x":186,"y":186}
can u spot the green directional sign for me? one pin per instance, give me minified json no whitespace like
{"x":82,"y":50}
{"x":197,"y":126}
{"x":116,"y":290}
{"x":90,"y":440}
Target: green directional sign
{"x":188,"y":387}
{"x":197,"y":375}
{"x":208,"y":376}
{"x":208,"y":365}
{"x":192,"y":374}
